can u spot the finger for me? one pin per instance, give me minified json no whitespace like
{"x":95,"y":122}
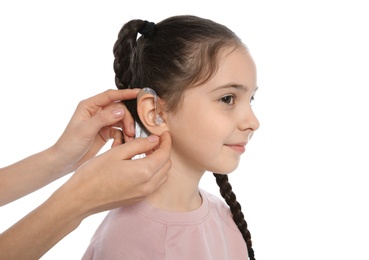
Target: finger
{"x":149,"y":152}
{"x":165,"y":144}
{"x":116,"y":135}
{"x":166,"y":147}
{"x":109,"y":96}
{"x":158,"y":158}
{"x":128,"y":126}
{"x":134,"y":147}
{"x":106,"y":117}
{"x":115,"y":114}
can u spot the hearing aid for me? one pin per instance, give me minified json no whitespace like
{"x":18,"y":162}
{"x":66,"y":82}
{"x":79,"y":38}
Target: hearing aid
{"x":158,"y":119}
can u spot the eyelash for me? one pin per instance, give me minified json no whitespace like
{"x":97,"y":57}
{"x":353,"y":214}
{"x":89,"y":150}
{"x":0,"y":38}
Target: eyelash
{"x":233,"y":97}
{"x":225,"y":98}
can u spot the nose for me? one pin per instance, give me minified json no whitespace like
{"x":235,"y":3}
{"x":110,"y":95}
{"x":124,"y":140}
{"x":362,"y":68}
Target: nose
{"x":249,"y":121}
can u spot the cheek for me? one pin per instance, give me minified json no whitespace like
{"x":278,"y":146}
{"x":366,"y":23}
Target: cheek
{"x":198,"y":137}
{"x":200,"y":126}
{"x":194,"y":134}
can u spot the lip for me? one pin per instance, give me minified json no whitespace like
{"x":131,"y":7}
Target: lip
{"x":238,"y":147}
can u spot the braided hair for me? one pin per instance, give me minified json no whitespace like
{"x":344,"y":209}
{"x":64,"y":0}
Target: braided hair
{"x":176,"y":54}
{"x":235,"y":207}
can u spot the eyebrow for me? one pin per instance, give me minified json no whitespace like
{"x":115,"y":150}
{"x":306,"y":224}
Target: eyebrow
{"x":235,"y":86}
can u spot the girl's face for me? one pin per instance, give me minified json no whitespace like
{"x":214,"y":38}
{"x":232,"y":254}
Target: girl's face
{"x":215,"y":120}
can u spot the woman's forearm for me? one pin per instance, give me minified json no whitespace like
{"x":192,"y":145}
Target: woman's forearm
{"x":40,"y":230}
{"x":107,"y":181}
{"x":29,"y":174}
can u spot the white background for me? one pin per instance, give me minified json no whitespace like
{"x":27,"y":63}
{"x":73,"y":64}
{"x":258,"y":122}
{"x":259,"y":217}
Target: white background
{"x":303,"y":180}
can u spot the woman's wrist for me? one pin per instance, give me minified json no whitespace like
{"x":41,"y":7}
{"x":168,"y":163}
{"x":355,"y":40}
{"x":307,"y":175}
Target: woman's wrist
{"x":69,"y":207}
{"x":57,"y":163}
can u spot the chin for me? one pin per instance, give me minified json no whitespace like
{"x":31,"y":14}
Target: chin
{"x":224,"y":170}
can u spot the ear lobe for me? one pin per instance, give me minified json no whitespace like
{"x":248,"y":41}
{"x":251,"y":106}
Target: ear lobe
{"x":149,"y":114}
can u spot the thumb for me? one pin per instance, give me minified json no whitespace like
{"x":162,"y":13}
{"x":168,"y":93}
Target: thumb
{"x":134,"y":147}
{"x":104,"y":118}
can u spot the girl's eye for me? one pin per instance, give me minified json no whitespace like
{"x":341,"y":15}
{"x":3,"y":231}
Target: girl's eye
{"x":229,"y":100}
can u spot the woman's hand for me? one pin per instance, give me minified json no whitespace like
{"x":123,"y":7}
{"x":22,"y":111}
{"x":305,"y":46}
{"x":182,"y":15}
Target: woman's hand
{"x":94,"y":122}
{"x":105,"y":182}
{"x":112,"y":179}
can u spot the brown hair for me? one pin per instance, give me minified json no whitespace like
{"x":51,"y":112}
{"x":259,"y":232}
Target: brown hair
{"x":172,"y":56}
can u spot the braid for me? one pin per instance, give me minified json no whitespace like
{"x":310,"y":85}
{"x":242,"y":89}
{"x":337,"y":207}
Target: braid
{"x":235,"y":207}
{"x":125,"y":55}
{"x":124,"y":49}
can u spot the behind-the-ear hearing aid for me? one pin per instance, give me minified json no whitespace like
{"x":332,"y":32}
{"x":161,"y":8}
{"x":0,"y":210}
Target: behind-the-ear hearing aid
{"x":158,"y":119}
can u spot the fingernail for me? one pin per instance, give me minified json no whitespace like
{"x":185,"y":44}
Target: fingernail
{"x":153,"y":138}
{"x":132,"y":129}
{"x":119,"y":112}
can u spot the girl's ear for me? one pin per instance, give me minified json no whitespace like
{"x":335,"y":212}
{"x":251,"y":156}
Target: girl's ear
{"x":150,"y":114}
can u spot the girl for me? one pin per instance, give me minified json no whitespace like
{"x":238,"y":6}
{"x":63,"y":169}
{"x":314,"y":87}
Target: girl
{"x":199,"y":80}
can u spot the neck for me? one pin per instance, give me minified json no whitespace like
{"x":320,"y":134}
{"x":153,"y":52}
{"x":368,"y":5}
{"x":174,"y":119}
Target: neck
{"x":180,"y":193}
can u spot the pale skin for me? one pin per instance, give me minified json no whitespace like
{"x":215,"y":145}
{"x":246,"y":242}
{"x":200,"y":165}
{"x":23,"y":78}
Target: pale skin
{"x":100,"y":183}
{"x":89,"y":129}
{"x":209,"y":131}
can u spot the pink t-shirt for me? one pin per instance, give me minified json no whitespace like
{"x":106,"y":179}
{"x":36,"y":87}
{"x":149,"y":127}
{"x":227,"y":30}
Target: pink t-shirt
{"x":140,"y":231}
